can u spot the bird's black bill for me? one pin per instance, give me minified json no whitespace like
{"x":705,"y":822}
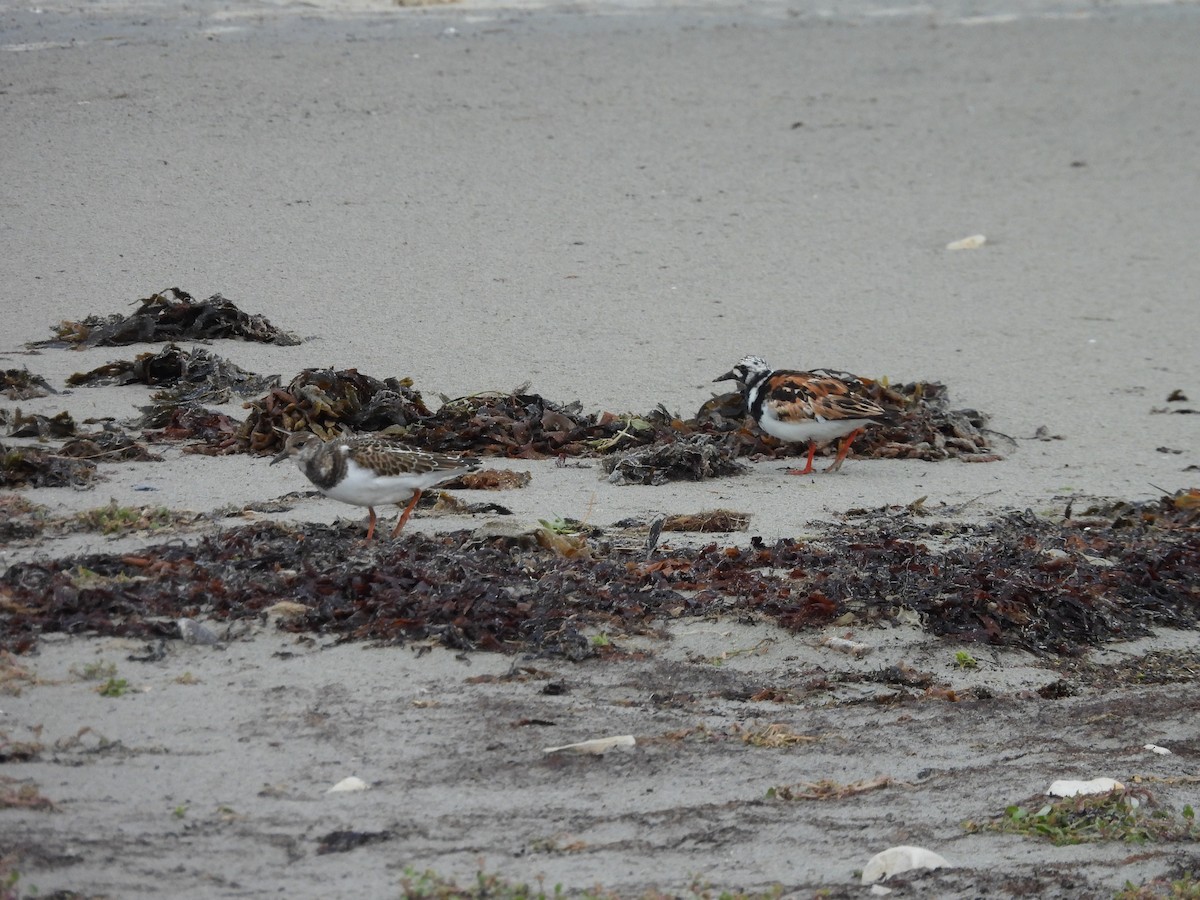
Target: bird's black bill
{"x":279,"y":457}
{"x":728,"y":376}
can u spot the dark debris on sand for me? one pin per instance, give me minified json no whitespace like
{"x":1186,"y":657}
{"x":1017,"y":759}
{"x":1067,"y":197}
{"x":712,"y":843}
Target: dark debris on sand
{"x":1020,"y":581}
{"x":211,"y":432}
{"x":516,"y":425}
{"x":647,"y":449}
{"x":36,"y":425}
{"x":21,"y":384}
{"x":328,"y":402}
{"x":650,"y":448}
{"x":695,"y":457}
{"x":345,"y":841}
{"x":36,"y":467}
{"x":186,"y":376}
{"x":169,"y":315}
{"x":110,"y":443}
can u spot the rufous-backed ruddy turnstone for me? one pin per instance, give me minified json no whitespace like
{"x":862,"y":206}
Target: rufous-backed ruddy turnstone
{"x":366,"y":471}
{"x":817,"y":406}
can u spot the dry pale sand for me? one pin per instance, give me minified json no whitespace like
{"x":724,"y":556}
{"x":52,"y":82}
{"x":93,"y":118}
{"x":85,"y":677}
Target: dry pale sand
{"x":614,"y":202}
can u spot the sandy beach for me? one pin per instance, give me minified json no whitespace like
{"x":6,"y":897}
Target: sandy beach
{"x":613,"y":203}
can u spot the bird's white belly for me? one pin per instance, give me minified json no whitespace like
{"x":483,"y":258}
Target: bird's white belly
{"x":362,"y":487}
{"x":818,"y":430}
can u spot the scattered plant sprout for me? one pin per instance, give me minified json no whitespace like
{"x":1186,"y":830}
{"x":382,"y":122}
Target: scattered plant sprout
{"x":114,"y":687}
{"x":1120,"y":815}
{"x":416,"y":885}
{"x":96,"y":671}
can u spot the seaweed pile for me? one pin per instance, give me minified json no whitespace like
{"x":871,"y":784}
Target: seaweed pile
{"x":35,"y":467}
{"x":190,"y":377}
{"x":72,"y":464}
{"x":327,"y":402}
{"x":1051,"y":588}
{"x":652,"y":448}
{"x":524,"y":425}
{"x":521,"y":425}
{"x":169,"y":315}
{"x":110,"y":442}
{"x":696,"y":456}
{"x":21,"y":384}
{"x":925,"y":427}
{"x":213,"y":432}
{"x":517,"y":425}
{"x":40,"y":426}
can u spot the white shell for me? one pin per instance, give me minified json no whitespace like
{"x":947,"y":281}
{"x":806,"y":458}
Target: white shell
{"x":1154,"y":748}
{"x":286,"y":609}
{"x":974,"y":242}
{"x":894,"y":860}
{"x":347,"y":785}
{"x":853,"y":648}
{"x":1068,"y":788}
{"x":598,"y":745}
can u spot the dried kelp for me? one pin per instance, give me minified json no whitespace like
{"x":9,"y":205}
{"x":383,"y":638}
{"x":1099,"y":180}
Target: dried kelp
{"x":21,"y":384}
{"x":925,"y":427}
{"x":213,"y":432}
{"x":1180,"y":510}
{"x":329,"y":403}
{"x":1049,"y":587}
{"x":110,"y":445}
{"x":35,"y":467}
{"x":194,"y":376}
{"x":694,"y":457}
{"x":170,"y":315}
{"x":20,"y":519}
{"x":465,"y":593}
{"x":712,"y":520}
{"x":55,"y":427}
{"x":491,"y":480}
{"x":517,"y":425}
{"x":528,"y":426}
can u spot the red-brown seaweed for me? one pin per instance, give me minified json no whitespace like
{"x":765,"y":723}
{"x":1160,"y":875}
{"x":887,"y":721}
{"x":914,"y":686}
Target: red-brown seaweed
{"x":1049,"y":587}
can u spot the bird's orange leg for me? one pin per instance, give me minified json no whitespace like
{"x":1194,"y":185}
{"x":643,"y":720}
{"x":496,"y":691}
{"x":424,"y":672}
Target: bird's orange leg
{"x":407,"y":512}
{"x":812,"y":449}
{"x":844,"y":449}
{"x":371,"y":527}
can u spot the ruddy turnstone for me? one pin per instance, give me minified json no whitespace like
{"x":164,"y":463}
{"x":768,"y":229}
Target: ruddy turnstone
{"x":366,"y":471}
{"x":817,"y":406}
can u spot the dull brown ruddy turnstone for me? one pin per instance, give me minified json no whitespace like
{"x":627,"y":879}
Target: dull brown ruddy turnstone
{"x":817,"y":406}
{"x":366,"y":471}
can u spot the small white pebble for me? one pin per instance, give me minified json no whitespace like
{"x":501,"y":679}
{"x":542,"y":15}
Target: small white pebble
{"x":1068,"y":788}
{"x":853,"y":648}
{"x":974,"y":242}
{"x":347,"y":785}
